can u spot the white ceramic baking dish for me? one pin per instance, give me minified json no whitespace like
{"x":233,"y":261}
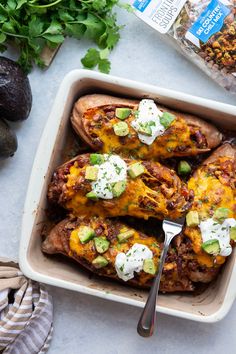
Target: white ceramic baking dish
{"x":210,"y":306}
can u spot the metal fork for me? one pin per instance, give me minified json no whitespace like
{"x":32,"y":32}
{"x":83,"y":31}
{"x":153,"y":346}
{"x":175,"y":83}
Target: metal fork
{"x":146,"y":322}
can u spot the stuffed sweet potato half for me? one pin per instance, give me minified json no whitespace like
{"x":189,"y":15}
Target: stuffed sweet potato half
{"x":211,"y":221}
{"x":112,"y":249}
{"x":140,"y":129}
{"x":107,"y":185}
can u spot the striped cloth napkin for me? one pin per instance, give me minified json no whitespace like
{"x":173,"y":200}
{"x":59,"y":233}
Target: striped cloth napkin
{"x":26,"y":312}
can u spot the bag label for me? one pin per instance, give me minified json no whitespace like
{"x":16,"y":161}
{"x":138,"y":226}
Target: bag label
{"x":208,"y":23}
{"x":141,"y":4}
{"x":159,"y":14}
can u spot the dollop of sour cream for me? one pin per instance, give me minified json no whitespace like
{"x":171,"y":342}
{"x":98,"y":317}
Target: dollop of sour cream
{"x":148,"y":113}
{"x":113,"y":170}
{"x":211,"y":229}
{"x":132,"y":261}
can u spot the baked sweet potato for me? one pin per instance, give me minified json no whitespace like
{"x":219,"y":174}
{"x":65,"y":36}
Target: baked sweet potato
{"x":178,"y":270}
{"x":157,"y":192}
{"x":214,"y":186}
{"x":94,"y":117}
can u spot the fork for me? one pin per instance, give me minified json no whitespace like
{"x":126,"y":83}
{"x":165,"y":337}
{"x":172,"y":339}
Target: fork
{"x":146,"y":322}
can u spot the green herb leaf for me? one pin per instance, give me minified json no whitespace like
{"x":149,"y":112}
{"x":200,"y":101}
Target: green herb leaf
{"x":54,"y":28}
{"x":11,"y":4}
{"x":75,"y":30}
{"x":35,"y":27}
{"x":54,"y":38}
{"x":2,"y":17}
{"x":94,"y":58}
{"x":8,"y":27}
{"x":20,"y":3}
{"x":99,"y":5}
{"x":94,"y":27}
{"x":104,"y":53}
{"x":2,"y":37}
{"x":30,"y":25}
{"x":65,"y":16}
{"x":104,"y":66}
{"x":112,"y":38}
{"x":91,"y":58}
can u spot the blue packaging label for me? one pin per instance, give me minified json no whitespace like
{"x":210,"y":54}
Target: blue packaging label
{"x":141,"y":5}
{"x":160,"y":14}
{"x":210,"y":21}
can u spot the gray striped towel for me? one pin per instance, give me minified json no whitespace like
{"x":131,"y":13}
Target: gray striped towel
{"x":26,"y":312}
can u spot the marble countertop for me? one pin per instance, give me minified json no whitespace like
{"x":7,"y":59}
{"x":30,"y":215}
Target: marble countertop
{"x":85,"y":324}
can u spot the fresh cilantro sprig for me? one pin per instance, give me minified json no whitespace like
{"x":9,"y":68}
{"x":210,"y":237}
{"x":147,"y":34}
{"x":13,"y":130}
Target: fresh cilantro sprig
{"x":97,"y":58}
{"x":30,"y":25}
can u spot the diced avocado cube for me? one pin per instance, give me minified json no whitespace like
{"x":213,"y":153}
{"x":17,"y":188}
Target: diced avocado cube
{"x":121,"y":129}
{"x":232,"y":233}
{"x":149,"y":266}
{"x":166,"y":119}
{"x":122,"y":113}
{"x":211,"y":247}
{"x":221,"y":214}
{"x":96,"y":159}
{"x":101,"y":244}
{"x":184,"y":168}
{"x":118,"y":188}
{"x":192,"y":218}
{"x":100,"y":262}
{"x":124,"y":236}
{"x":145,"y":129}
{"x":91,"y":195}
{"x":136,"y":169}
{"x":91,"y":173}
{"x":85,"y":234}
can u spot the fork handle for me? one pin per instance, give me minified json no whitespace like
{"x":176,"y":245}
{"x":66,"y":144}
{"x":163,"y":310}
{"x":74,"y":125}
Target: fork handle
{"x":147,"y":320}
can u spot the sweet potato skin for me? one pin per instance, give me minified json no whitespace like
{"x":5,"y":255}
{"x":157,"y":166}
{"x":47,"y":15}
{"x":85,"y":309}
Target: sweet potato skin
{"x":179,"y":274}
{"x":92,"y":101}
{"x":225,"y":150}
{"x":165,"y":146}
{"x":214,"y":185}
{"x":58,"y":241}
{"x":158,"y":192}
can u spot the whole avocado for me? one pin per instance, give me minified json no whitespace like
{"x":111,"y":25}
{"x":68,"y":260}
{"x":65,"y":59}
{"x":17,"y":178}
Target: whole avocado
{"x":8,"y":141}
{"x":15,"y":91}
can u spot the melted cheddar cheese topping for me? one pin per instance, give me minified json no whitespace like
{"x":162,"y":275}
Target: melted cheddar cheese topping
{"x":211,"y":192}
{"x":137,"y":200}
{"x":88,"y":252}
{"x":173,"y":142}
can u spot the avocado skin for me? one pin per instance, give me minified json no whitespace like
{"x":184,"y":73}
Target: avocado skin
{"x":15,"y":91}
{"x":8,"y":141}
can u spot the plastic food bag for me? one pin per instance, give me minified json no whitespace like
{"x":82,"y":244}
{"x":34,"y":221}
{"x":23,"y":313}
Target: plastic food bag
{"x":204,"y":30}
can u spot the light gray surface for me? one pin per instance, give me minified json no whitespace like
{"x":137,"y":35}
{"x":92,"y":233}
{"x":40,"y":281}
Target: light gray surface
{"x":84,"y":324}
